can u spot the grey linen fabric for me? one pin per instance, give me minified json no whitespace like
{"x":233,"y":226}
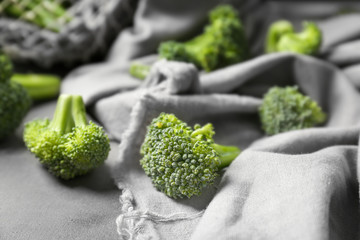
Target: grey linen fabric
{"x":278,"y":187}
{"x":296,"y":185}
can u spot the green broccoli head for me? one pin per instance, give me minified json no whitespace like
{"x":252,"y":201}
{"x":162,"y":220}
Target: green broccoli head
{"x":176,"y":51}
{"x":286,"y":109}
{"x":223,"y":42}
{"x":14,"y":99}
{"x":6,"y":67}
{"x":68,"y":146}
{"x":282,"y":38}
{"x":182,"y":161}
{"x":223,"y":12}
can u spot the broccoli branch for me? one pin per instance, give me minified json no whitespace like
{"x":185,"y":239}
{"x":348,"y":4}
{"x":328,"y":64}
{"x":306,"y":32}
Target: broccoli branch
{"x":62,"y":121}
{"x":282,"y":38}
{"x":78,"y":111}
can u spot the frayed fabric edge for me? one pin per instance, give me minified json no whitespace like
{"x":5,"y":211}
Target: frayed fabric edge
{"x":131,"y":222}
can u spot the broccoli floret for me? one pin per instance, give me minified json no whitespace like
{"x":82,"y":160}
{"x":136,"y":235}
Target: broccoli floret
{"x":182,"y":161}
{"x":39,"y":86}
{"x":47,"y":14}
{"x":14,"y":100}
{"x":68,"y":146}
{"x":139,"y":70}
{"x":286,"y":109}
{"x":223,"y":42}
{"x":282,"y":38}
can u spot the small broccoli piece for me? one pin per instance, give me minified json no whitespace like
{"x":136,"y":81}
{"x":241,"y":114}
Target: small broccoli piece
{"x":282,"y":38}
{"x":14,"y":100}
{"x":223,"y":42}
{"x":286,"y":109}
{"x":68,"y":146}
{"x":39,"y":86}
{"x":47,"y":14}
{"x":182,"y":161}
{"x":139,"y":70}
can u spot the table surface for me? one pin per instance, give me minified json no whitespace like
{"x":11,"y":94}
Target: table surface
{"x":36,"y":205}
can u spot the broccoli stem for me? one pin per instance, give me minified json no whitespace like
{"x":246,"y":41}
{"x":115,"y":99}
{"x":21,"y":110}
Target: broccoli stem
{"x":206,"y":131}
{"x":39,"y":86}
{"x":226,"y":153}
{"x":78,"y":111}
{"x":62,"y":121}
{"x":139,"y":70}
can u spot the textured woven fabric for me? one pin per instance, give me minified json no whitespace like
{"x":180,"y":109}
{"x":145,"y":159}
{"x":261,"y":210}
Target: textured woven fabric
{"x":296,"y":185}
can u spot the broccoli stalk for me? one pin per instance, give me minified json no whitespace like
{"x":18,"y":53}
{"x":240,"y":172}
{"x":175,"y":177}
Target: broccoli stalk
{"x":182,"y":161}
{"x":286,"y":109}
{"x":139,"y":70}
{"x":68,"y":146}
{"x":282,"y":38}
{"x":226,"y":153}
{"x":223,"y":42}
{"x":38,"y":86}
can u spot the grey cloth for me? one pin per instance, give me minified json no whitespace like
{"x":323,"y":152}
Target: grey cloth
{"x":305,"y":177}
{"x":296,"y":185}
{"x":155,"y":21}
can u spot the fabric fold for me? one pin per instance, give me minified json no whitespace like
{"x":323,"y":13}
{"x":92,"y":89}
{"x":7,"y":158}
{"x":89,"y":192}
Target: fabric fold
{"x":296,"y":185}
{"x":297,"y":163}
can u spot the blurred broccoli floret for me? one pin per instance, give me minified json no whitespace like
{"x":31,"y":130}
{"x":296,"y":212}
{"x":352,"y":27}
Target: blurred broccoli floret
{"x":139,"y":70}
{"x":286,"y":109}
{"x":182,"y":161}
{"x":47,"y":14}
{"x":68,"y":145}
{"x":282,"y":38}
{"x":39,"y":86}
{"x":14,"y":99}
{"x":223,"y":42}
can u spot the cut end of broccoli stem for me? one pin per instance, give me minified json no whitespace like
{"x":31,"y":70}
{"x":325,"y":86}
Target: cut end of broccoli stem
{"x":139,"y":70}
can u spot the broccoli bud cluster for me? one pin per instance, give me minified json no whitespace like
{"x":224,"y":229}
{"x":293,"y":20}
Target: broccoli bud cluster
{"x":68,"y":146}
{"x":286,"y":109}
{"x":15,"y":102}
{"x":179,"y":160}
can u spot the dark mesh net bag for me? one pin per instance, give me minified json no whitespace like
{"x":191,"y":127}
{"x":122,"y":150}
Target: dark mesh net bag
{"x":61,"y":31}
